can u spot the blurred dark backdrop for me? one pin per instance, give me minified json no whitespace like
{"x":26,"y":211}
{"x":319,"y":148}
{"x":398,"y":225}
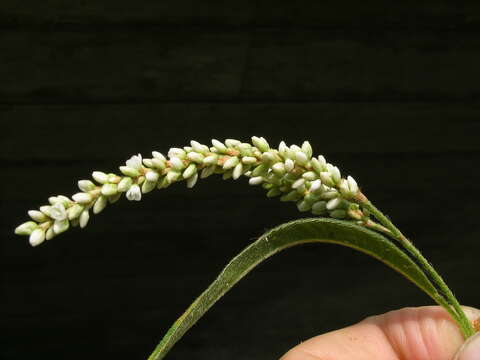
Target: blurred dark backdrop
{"x":387,"y":90}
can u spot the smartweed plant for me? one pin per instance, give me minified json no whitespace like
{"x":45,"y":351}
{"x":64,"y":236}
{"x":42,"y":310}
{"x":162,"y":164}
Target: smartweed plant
{"x":343,"y":214}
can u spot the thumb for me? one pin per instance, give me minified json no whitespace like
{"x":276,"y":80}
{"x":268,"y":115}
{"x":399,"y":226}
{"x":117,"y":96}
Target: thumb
{"x":470,"y":350}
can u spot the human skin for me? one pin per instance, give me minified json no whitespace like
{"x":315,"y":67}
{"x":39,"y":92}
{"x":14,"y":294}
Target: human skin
{"x":422,"y":333}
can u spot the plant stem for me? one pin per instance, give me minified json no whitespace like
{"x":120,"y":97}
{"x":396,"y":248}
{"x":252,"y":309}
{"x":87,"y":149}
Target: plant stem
{"x":395,"y":233}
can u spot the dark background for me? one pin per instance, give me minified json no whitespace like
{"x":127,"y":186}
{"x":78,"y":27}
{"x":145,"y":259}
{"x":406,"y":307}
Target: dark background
{"x":386,"y":90}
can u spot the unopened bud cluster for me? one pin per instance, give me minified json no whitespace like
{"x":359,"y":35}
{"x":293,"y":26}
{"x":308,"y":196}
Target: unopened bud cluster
{"x":290,"y":172}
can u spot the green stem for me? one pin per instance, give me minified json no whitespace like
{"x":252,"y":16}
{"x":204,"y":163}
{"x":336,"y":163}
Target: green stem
{"x":457,"y":312}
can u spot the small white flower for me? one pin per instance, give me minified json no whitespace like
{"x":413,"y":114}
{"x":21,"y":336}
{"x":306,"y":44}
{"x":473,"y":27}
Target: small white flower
{"x":301,"y":158}
{"x":158,"y":155}
{"x":260,"y":143}
{"x":192,"y":180}
{"x":315,"y":185}
{"x":307,"y":149}
{"x":135,"y":162}
{"x":279,"y":168}
{"x":257,"y":180}
{"x":109,"y":189}
{"x":189,"y":171}
{"x":219,"y":145}
{"x":298,"y":183}
{"x":148,"y":186}
{"x":152,"y":176}
{"x":230,"y":163}
{"x":37,"y":237}
{"x":84,"y":217}
{"x":352,"y":184}
{"x":282,"y":148}
{"x":60,"y":226}
{"x":210,"y":160}
{"x":176,"y":163}
{"x":26,"y":228}
{"x":232,"y":142}
{"x":248,"y":160}
{"x":177,"y":152}
{"x":129,"y":171}
{"x":333,"y":203}
{"x":74,"y":211}
{"x":134,"y":193}
{"x":124,"y":184}
{"x":237,"y":171}
{"x":86,"y":185}
{"x":199,"y":148}
{"x":335,"y":172}
{"x":195,"y":157}
{"x":37,"y":215}
{"x":289,"y":165}
{"x":207,"y":171}
{"x":100,"y":177}
{"x":58,"y":212}
{"x":99,"y":205}
{"x":82,"y":198}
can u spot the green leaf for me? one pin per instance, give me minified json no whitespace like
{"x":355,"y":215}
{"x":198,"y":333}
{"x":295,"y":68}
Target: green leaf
{"x":293,"y":233}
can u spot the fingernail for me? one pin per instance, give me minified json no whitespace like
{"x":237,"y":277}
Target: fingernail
{"x":470,"y":350}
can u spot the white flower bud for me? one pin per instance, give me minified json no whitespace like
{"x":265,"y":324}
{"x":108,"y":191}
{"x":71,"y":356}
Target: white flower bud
{"x":26,"y":228}
{"x":352,"y":184}
{"x":37,"y":215}
{"x":316,"y":165}
{"x":189,"y":171}
{"x":230,"y":163}
{"x":248,"y":160}
{"x":82,"y":198}
{"x":322,"y":161}
{"x":60,"y":226}
{"x":158,"y":155}
{"x":50,"y":234}
{"x":172,"y":176}
{"x":268,"y":157}
{"x":307,"y":149}
{"x":283,"y":148}
{"x":331,"y":194}
{"x":232,"y":143}
{"x":84,"y":217}
{"x":195,"y":157}
{"x":333,"y":203}
{"x":289,"y":165}
{"x":52,"y":200}
{"x":37,"y":237}
{"x":210,"y":160}
{"x":177,"y":152}
{"x":86,"y":185}
{"x":148,"y":186}
{"x":275,"y":191}
{"x":109,"y":189}
{"x":148,"y":162}
{"x":129,"y":171}
{"x":245,"y":149}
{"x":335,"y":172}
{"x":74,"y":211}
{"x":237,"y":171}
{"x":301,"y":158}
{"x":326,"y":178}
{"x":152,"y":176}
{"x":279,"y":168}
{"x":176,"y":163}
{"x":158,"y":164}
{"x":124,"y":184}
{"x":207,"y":171}
{"x":344,"y":188}
{"x":192,"y":180}
{"x":100,"y":204}
{"x":199,"y":148}
{"x":135,"y":162}
{"x":219,"y":146}
{"x":58,"y":212}
{"x":315,"y":185}
{"x":260,"y":143}
{"x":134,"y":193}
{"x":114,"y":198}
{"x":309,"y":175}
{"x":298,"y":183}
{"x":257,"y":180}
{"x":100,"y":177}
{"x":47,"y":210}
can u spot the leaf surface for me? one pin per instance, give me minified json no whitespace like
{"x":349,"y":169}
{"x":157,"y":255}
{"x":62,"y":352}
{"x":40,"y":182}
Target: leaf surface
{"x":310,"y":230}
